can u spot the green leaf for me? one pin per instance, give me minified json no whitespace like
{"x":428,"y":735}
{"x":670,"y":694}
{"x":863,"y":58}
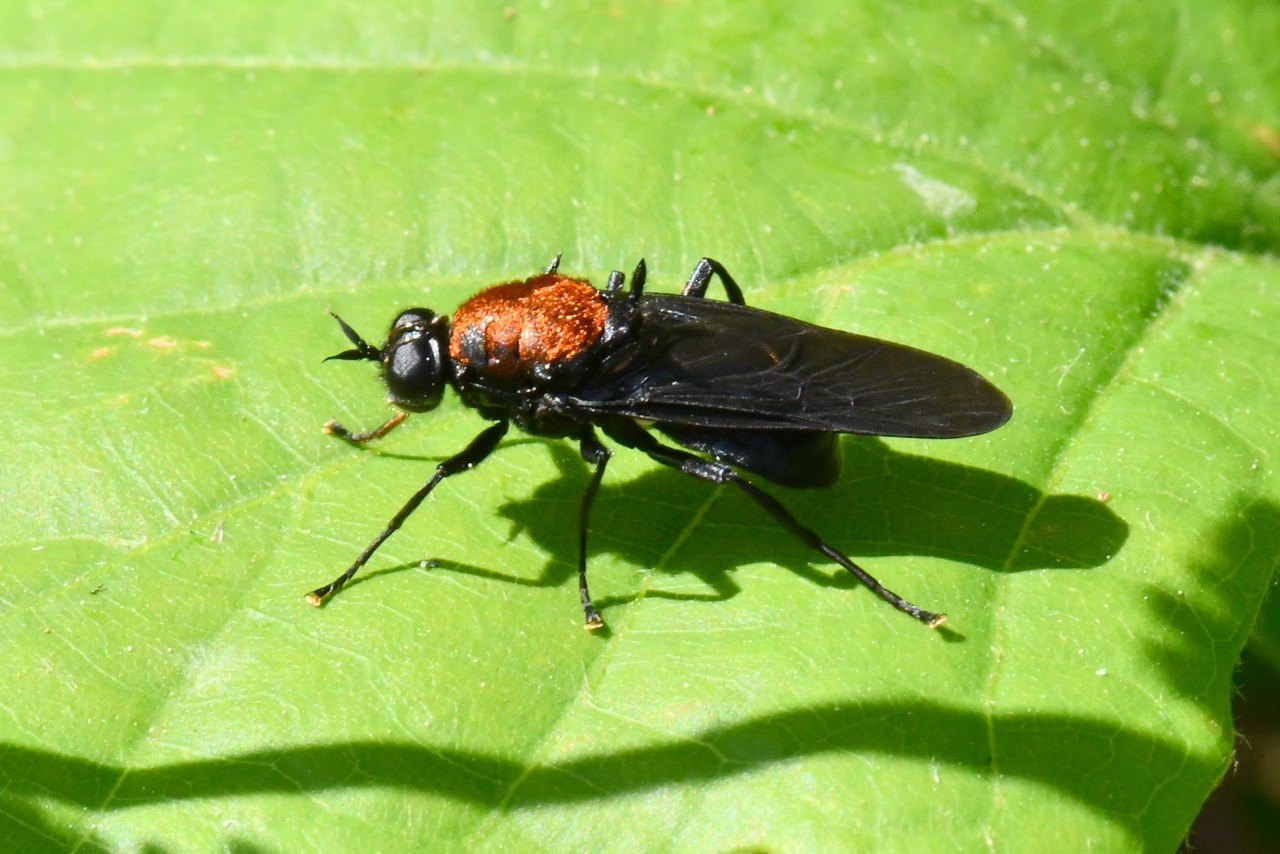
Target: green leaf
{"x":1081,"y":202}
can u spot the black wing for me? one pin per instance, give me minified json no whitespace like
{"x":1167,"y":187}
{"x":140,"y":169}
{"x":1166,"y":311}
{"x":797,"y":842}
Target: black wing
{"x":705,"y":363}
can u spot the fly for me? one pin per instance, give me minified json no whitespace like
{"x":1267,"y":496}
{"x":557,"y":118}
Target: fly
{"x":743,"y":388}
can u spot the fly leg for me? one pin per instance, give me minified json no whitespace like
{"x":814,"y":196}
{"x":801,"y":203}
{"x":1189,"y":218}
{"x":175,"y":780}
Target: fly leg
{"x":598,"y":455}
{"x":333,"y":428}
{"x":361,"y":350}
{"x":630,"y":434}
{"x":700,"y":278}
{"x":481,"y":446}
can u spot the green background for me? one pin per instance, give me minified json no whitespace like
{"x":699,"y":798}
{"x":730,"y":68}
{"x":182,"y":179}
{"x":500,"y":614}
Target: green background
{"x":1082,"y":201}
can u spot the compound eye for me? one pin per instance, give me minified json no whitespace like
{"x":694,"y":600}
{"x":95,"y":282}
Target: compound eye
{"x":412,"y":318}
{"x":412,"y":360}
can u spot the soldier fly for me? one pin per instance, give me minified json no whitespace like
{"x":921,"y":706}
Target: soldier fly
{"x":744,"y":388}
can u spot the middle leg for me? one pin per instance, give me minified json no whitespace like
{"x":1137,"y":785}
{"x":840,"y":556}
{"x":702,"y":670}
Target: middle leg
{"x":700,"y":278}
{"x":598,"y":455}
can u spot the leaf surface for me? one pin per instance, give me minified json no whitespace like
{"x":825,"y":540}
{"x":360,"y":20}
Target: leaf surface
{"x":1084,"y":206}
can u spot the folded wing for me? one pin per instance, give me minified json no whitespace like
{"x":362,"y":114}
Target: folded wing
{"x":706,"y":363}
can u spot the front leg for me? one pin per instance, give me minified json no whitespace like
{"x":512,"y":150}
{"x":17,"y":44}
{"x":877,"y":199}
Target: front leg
{"x":333,"y":428}
{"x":701,"y":277}
{"x":471,"y":456}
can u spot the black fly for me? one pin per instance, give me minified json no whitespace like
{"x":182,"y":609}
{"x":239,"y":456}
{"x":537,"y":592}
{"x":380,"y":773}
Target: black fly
{"x":748,"y":388}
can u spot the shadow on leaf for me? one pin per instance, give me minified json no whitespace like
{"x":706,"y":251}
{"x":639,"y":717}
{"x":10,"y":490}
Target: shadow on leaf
{"x":1236,"y":565}
{"x":1046,"y":748}
{"x":1032,"y":746}
{"x":888,"y":503}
